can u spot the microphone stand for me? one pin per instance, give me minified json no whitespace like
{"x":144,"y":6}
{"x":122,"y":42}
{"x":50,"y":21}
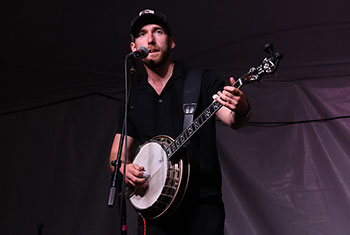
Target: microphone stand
{"x":116,"y":174}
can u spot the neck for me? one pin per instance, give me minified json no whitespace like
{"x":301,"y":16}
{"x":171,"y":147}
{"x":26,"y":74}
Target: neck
{"x":159,"y":76}
{"x":163,"y":72}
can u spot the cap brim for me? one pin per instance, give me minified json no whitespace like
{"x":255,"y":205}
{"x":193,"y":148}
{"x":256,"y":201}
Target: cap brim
{"x":148,"y":19}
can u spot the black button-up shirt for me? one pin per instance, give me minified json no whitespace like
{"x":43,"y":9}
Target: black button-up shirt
{"x":151,"y":114}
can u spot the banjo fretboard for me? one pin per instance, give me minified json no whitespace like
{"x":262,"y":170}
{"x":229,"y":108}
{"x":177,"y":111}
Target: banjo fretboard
{"x":181,"y":140}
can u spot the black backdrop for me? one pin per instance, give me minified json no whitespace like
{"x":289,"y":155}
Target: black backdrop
{"x":288,"y":172}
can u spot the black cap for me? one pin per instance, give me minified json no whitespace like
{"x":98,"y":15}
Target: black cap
{"x":148,"y":16}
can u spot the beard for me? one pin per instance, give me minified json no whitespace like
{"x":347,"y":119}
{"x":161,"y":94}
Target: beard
{"x":160,"y":61}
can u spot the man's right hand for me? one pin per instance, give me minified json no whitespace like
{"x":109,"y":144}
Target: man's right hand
{"x":135,"y":178}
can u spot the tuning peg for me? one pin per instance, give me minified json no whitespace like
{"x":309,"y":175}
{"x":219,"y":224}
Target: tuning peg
{"x":278,"y":55}
{"x":268,"y":48}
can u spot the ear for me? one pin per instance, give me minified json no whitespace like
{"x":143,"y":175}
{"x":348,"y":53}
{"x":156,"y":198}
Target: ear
{"x":172,"y":43}
{"x":133,"y":46}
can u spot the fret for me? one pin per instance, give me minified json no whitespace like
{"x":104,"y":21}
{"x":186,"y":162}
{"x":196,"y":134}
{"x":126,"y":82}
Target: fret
{"x":217,"y":105}
{"x":182,"y":137}
{"x":200,"y":121}
{"x":238,"y":83}
{"x":211,"y":109}
{"x":186,"y":135}
{"x":173,"y":147}
{"x":203,"y":117}
{"x":190,"y":130}
{"x":178,"y":143}
{"x":196,"y":124}
{"x":193,"y":128}
{"x":168,"y":152}
{"x":207,"y":113}
{"x":214,"y":108}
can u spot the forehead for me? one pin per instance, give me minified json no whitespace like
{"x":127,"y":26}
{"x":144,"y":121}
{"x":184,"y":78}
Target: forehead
{"x":151,"y":27}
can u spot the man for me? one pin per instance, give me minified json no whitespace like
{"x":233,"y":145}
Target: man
{"x":155,"y":108}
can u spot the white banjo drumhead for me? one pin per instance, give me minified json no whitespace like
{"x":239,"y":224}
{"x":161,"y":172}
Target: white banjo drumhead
{"x":154,"y":159}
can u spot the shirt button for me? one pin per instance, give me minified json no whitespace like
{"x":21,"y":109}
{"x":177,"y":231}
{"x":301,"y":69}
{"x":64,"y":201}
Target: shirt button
{"x":160,"y":101}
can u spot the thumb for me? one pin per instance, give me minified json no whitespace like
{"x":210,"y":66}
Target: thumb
{"x":232,"y":80}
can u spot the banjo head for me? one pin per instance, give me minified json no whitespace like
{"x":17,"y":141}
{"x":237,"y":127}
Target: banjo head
{"x":154,"y":159}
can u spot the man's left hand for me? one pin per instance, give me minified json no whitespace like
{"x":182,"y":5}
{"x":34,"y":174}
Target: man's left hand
{"x":234,"y":99}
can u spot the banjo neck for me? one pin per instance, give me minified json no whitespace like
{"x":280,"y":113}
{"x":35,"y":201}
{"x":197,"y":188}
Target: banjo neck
{"x":268,"y":66}
{"x":187,"y":133}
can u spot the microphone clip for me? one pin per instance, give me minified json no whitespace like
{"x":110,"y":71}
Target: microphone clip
{"x":141,"y":53}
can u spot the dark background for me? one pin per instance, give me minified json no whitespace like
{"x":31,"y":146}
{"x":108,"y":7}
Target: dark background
{"x":61,"y":87}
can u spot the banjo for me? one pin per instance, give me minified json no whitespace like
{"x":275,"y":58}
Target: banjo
{"x":167,"y":174}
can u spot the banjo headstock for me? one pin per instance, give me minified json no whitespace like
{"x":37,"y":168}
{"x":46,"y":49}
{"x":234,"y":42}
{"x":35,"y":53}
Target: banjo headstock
{"x":268,"y":66}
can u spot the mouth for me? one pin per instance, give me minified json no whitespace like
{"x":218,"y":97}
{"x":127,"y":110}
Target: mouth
{"x":153,"y":50}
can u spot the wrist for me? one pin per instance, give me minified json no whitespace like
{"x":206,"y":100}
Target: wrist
{"x":246,"y":113}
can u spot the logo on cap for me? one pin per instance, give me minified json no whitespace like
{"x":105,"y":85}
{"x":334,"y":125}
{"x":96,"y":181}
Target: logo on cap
{"x":146,"y":11}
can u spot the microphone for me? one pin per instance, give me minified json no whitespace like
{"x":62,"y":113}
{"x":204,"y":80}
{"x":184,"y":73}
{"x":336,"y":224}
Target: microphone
{"x":142,"y":52}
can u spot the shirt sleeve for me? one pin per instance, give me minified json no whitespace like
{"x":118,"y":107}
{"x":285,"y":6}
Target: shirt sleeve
{"x":211,"y":84}
{"x":131,"y":131}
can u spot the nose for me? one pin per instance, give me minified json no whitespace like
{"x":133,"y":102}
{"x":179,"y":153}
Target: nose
{"x":150,"y":38}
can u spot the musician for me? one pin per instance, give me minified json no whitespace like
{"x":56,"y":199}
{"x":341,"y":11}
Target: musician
{"x":155,"y":108}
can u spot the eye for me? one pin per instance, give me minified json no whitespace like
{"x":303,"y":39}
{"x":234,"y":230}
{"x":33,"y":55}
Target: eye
{"x":141,"y":34}
{"x":159,"y":31}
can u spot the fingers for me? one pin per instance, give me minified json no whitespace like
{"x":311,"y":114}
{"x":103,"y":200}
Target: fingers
{"x":227,"y":99}
{"x":233,"y":90}
{"x":134,"y":175}
{"x":232,"y":81}
{"x":230,"y":97}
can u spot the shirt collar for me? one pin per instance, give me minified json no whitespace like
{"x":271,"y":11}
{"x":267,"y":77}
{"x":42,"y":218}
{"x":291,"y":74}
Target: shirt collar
{"x":178,"y":72}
